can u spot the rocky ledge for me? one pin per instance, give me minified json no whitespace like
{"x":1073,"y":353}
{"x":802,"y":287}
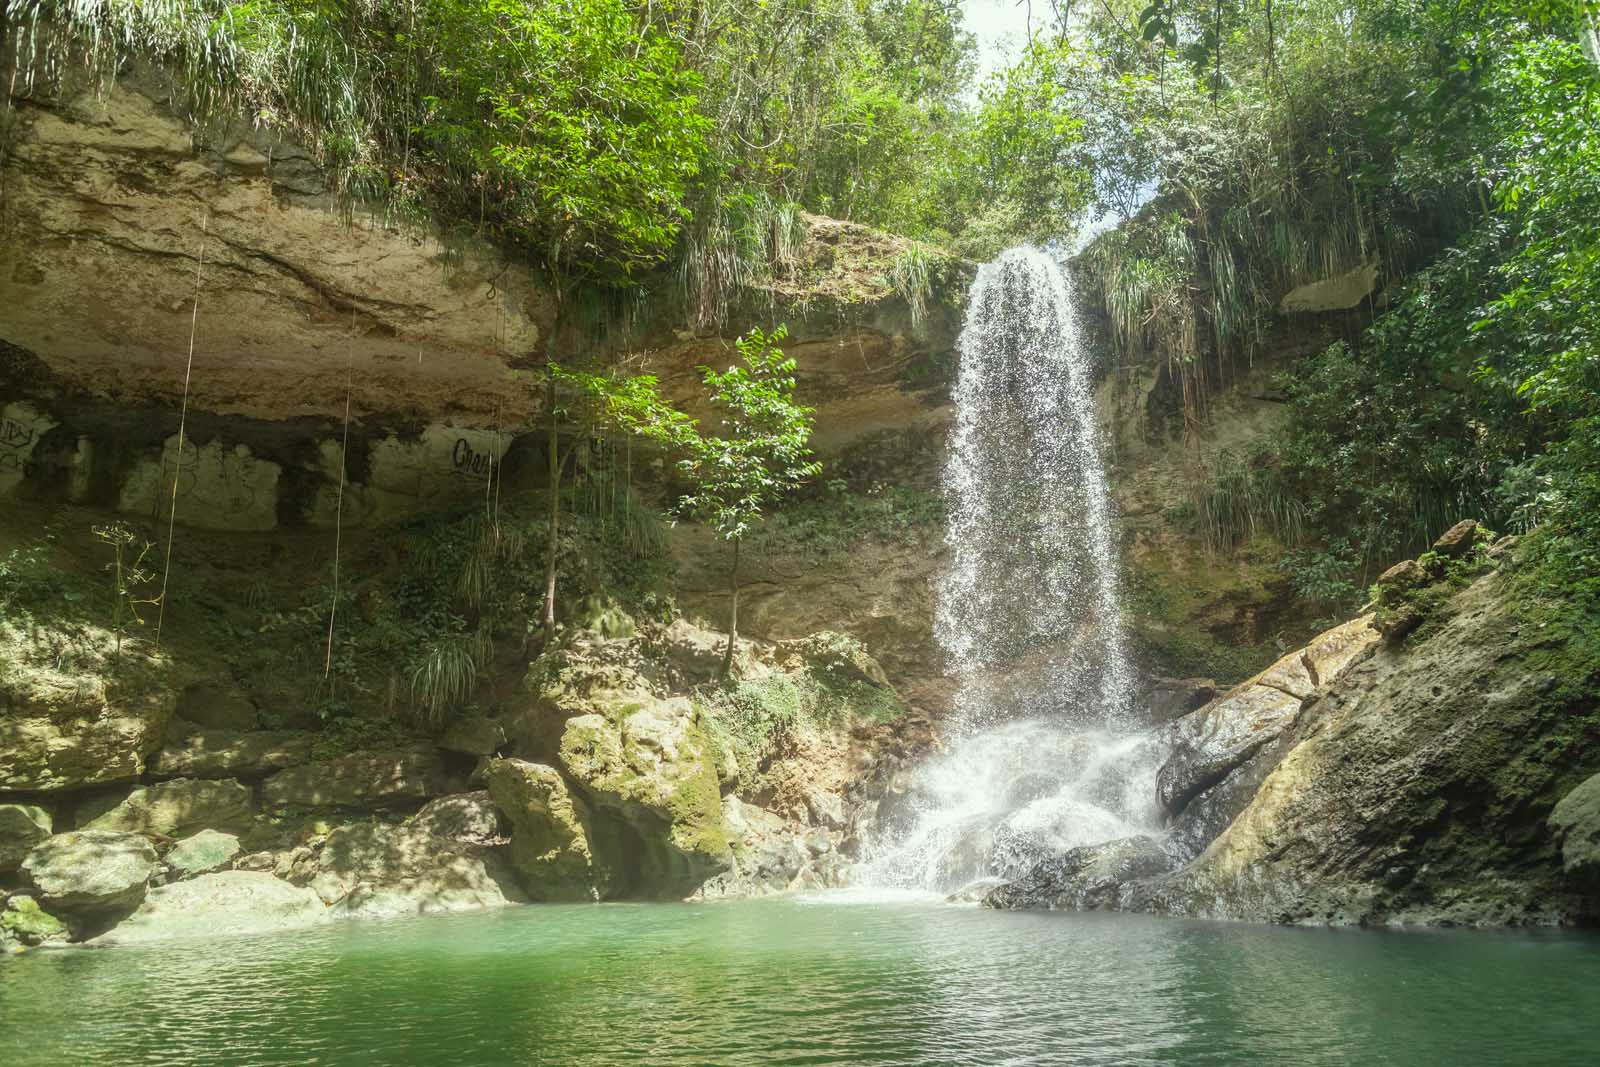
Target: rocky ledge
{"x":617,"y":770}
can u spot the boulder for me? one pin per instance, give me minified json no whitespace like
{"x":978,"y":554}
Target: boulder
{"x":473,"y":735}
{"x":26,"y":923}
{"x":1459,"y":540}
{"x":90,"y":872}
{"x":836,"y":656}
{"x":219,"y":754}
{"x":363,"y":779}
{"x":202,"y":853}
{"x":1337,"y":293}
{"x":554,"y":847}
{"x":1088,"y":878}
{"x":826,"y":809}
{"x":770,"y":855}
{"x":22,"y":826}
{"x":377,"y":870}
{"x":1208,"y":744}
{"x":647,"y":762}
{"x":217,"y":707}
{"x":180,"y":806}
{"x":225,"y":904}
{"x":462,"y":817}
{"x":1575,"y":822}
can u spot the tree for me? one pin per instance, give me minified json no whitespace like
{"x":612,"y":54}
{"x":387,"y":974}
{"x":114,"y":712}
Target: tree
{"x":631,"y":404}
{"x":760,"y":455}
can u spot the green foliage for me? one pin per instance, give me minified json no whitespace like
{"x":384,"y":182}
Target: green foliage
{"x":130,"y":576}
{"x":569,"y":129}
{"x":761,"y":454}
{"x":446,"y":674}
{"x":1241,"y":498}
{"x":839,"y":522}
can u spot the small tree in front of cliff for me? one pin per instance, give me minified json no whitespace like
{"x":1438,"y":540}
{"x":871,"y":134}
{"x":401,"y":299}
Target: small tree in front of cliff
{"x":760,"y":455}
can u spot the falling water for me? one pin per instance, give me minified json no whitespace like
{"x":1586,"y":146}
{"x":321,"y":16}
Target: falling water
{"x":1042,"y":756}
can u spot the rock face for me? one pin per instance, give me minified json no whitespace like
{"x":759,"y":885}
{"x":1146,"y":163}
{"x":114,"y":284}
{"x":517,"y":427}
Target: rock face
{"x":647,"y":763}
{"x":216,"y":708}
{"x":1575,"y":822}
{"x":69,"y":732}
{"x":379,"y":870}
{"x":90,"y":872}
{"x":554,"y":846}
{"x":22,"y":826}
{"x":202,"y":853}
{"x":1416,"y":787}
{"x":773,"y":855}
{"x":363,"y":779}
{"x":180,"y":806}
{"x":226,"y":904}
{"x":220,"y":754}
{"x":1220,"y":751}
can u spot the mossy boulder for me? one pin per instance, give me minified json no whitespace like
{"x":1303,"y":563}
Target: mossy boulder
{"x":222,"y":754}
{"x":181,"y":806}
{"x":60,"y":731}
{"x":90,"y":872}
{"x":646,"y":761}
{"x":555,"y":849}
{"x":24,"y":921}
{"x":22,"y":826}
{"x":1576,"y":825}
{"x":202,"y":853}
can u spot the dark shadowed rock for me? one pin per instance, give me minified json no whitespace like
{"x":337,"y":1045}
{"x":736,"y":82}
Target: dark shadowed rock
{"x":473,"y":735}
{"x":1459,"y":540}
{"x":376,"y":870}
{"x":363,"y":779}
{"x":217,"y":708}
{"x":220,"y":754}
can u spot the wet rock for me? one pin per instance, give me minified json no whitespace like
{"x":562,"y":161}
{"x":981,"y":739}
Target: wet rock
{"x":216,"y":707}
{"x":1210,"y":743}
{"x":378,"y":870}
{"x":25,"y":922}
{"x":363,"y":779}
{"x":473,"y":735}
{"x":826,"y":809}
{"x":180,"y":806}
{"x":1084,"y":879}
{"x":22,"y":826}
{"x":225,"y":904}
{"x":1575,"y":822}
{"x":553,"y":842}
{"x":219,"y":754}
{"x":202,"y":853}
{"x":90,"y":872}
{"x":462,"y":817}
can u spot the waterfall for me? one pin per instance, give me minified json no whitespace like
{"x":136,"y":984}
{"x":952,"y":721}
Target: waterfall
{"x":1042,"y":755}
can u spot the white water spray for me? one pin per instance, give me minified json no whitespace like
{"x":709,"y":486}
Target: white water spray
{"x":1043,"y":756}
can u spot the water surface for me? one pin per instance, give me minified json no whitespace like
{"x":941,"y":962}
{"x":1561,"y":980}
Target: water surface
{"x":825,"y":980}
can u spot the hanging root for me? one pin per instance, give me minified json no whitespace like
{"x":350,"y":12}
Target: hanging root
{"x":183,"y":418}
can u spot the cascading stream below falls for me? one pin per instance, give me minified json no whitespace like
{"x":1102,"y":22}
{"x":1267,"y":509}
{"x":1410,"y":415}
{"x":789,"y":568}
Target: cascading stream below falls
{"x":1042,"y":756}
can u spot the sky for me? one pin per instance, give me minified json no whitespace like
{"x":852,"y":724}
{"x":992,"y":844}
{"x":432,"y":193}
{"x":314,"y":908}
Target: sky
{"x":1001,"y":27}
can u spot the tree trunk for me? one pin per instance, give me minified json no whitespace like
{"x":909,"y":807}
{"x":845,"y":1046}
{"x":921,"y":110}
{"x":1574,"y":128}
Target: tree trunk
{"x":733,"y":613}
{"x":553,"y":446}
